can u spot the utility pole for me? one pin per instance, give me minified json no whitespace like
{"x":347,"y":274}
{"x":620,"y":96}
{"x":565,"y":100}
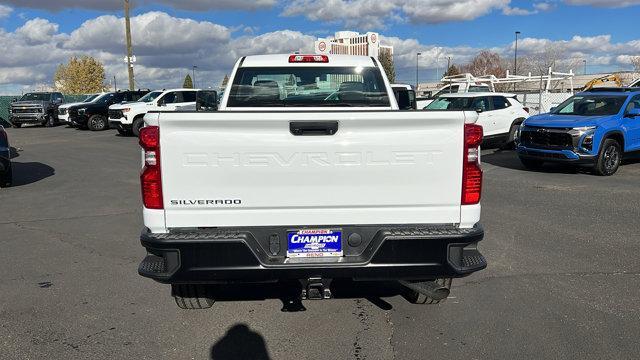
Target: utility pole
{"x":515,"y":60}
{"x":129,"y":47}
{"x":417,"y":69}
{"x":194,"y":76}
{"x":448,"y":63}
{"x":585,"y":66}
{"x":115,"y":83}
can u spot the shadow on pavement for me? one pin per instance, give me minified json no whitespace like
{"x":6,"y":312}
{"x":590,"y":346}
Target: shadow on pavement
{"x":289,"y":293}
{"x":30,"y":172}
{"x":240,"y":342}
{"x":509,"y":159}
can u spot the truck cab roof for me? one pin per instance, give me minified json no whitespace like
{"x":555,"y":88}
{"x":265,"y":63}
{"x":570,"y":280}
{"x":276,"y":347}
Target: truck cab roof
{"x":612,"y":91}
{"x":477,"y":94}
{"x":277,"y":60}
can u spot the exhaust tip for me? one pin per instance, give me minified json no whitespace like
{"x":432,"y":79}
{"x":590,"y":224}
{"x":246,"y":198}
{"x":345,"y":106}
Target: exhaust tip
{"x":431,"y":289}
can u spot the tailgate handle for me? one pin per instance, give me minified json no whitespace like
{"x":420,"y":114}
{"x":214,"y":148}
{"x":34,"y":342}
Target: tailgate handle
{"x":313,"y":128}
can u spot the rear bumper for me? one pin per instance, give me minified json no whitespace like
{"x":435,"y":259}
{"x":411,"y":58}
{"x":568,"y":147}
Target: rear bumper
{"x":416,"y":252}
{"x":559,"y":156}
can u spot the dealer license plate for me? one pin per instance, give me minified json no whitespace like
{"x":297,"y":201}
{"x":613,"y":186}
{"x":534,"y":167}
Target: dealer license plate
{"x":314,"y":243}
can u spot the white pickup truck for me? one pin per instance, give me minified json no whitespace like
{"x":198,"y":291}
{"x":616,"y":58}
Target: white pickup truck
{"x":128,"y":118}
{"x":308,"y":172}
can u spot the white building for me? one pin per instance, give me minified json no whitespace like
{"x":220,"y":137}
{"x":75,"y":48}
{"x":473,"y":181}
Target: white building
{"x":352,"y":43}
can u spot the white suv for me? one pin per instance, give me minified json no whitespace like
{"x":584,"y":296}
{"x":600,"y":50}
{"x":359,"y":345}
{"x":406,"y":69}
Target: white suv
{"x":500,"y":114}
{"x":129,"y":118}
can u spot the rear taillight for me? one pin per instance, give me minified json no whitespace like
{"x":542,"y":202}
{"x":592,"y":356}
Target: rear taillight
{"x":471,"y":171}
{"x":151,"y":178}
{"x":308,"y":59}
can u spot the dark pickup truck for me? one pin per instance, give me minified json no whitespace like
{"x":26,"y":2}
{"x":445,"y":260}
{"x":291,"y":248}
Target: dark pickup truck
{"x":35,"y":108}
{"x":95,"y":115}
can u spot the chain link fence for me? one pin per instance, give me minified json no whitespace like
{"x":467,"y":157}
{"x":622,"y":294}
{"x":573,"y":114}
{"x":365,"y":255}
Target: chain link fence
{"x":540,"y":103}
{"x":5,"y":104}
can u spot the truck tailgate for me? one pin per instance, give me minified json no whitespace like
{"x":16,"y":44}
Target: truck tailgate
{"x":248,"y":169}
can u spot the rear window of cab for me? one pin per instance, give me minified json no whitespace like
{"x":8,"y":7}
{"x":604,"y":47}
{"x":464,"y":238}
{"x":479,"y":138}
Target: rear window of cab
{"x":308,"y":87}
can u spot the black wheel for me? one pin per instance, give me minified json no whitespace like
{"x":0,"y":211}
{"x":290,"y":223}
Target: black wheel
{"x":50,"y":121}
{"x":532,"y":164}
{"x":510,"y":143}
{"x":609,"y":158}
{"x":138,"y":123}
{"x":7,"y":179}
{"x":415,"y":297}
{"x":191,"y":297}
{"x":97,"y":123}
{"x":17,"y":125}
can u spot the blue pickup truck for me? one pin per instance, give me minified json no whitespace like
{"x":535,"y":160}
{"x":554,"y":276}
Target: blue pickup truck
{"x":595,"y":128}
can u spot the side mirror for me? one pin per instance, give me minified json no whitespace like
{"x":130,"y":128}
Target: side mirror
{"x":206,"y":101}
{"x":633,"y":113}
{"x":162,"y":102}
{"x":413,"y":102}
{"x":406,"y":99}
{"x":479,"y":110}
{"x":14,"y":100}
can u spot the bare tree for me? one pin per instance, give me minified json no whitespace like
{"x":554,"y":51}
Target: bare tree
{"x":551,"y":56}
{"x":452,"y":70}
{"x":486,"y":63}
{"x":635,"y":61}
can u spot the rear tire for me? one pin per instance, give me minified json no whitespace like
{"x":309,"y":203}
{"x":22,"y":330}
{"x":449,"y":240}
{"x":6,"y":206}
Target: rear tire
{"x":609,"y":158}
{"x":415,"y":297}
{"x":510,"y":143}
{"x":138,"y":123}
{"x":191,"y":297}
{"x":97,"y":123}
{"x":50,"y":121}
{"x":532,"y":164}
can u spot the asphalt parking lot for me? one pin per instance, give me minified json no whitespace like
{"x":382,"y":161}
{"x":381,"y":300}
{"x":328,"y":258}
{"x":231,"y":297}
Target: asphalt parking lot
{"x":563,"y":280}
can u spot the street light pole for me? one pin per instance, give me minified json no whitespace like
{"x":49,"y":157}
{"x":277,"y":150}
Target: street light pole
{"x":438,"y":67}
{"x":194,"y":76}
{"x":515,"y":59}
{"x":417,"y":69}
{"x":585,"y":66}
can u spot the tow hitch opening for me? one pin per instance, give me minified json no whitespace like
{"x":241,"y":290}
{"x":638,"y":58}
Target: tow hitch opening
{"x":316,"y":289}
